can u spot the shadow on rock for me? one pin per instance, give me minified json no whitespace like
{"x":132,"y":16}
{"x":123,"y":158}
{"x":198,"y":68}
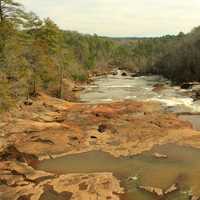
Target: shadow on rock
{"x":51,"y":194}
{"x":12,"y":153}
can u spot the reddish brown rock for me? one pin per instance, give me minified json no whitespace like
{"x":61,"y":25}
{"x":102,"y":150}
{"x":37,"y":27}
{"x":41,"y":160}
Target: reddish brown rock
{"x":52,"y":127}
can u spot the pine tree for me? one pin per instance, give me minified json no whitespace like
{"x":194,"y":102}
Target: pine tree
{"x":11,"y":11}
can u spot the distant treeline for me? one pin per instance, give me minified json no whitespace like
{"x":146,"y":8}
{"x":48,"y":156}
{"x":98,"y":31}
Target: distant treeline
{"x":175,"y":57}
{"x":180,"y":60}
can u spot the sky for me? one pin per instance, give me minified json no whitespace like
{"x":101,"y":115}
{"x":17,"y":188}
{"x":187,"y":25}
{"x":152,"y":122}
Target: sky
{"x":120,"y":18}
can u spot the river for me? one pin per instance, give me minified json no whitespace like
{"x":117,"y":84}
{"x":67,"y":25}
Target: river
{"x":118,"y":88}
{"x":182,"y":164}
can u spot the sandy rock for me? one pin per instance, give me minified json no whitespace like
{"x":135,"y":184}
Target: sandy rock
{"x":28,"y":126}
{"x":3,"y":143}
{"x":156,"y":191}
{"x":195,"y":198}
{"x":171,"y":189}
{"x":33,"y":130}
{"x":89,"y":186}
{"x":160,"y":156}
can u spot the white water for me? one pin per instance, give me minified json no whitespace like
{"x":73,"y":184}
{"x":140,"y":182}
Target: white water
{"x":117,"y":88}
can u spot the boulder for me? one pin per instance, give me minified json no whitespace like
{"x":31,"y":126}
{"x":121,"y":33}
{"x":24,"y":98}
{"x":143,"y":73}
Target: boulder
{"x":114,"y":73}
{"x":133,"y":178}
{"x":189,"y":85}
{"x":102,"y":128}
{"x":28,"y":102}
{"x":186,"y":86}
{"x":124,"y":74}
{"x":158,"y":155}
{"x":196,"y":95}
{"x":134,"y":75}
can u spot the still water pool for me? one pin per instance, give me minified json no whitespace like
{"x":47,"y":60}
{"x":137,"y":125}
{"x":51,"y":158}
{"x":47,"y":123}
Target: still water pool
{"x":182,"y":167}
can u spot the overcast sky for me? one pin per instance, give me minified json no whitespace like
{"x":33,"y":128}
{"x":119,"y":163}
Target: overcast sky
{"x":120,"y":17}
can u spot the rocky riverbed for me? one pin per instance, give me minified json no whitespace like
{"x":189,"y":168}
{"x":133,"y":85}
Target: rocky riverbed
{"x":51,"y":128}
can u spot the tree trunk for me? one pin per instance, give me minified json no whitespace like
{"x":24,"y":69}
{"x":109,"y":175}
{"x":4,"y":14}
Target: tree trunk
{"x":60,"y":93}
{"x":1,"y":11}
{"x":34,"y":87}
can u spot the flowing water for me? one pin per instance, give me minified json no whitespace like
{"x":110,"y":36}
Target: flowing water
{"x":182,"y":165}
{"x":116,"y":88}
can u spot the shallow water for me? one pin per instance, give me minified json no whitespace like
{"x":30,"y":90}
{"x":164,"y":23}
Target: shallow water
{"x":114,"y":88}
{"x":193,"y":119}
{"x":181,"y":166}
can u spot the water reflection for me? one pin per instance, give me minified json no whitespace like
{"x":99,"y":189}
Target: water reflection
{"x":181,"y":167}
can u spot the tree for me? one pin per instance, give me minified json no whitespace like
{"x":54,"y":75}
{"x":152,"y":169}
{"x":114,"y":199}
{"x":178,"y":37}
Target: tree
{"x":5,"y":97}
{"x":52,"y":36}
{"x":7,"y":30}
{"x":11,"y":11}
{"x":46,"y":53}
{"x":61,"y":60}
{"x":33,"y":23}
{"x":11,"y":15}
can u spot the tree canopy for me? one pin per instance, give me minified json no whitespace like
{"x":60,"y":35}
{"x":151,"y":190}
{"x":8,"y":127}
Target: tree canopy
{"x":11,"y":11}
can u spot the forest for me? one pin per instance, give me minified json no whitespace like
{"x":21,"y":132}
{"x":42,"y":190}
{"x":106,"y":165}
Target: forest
{"x":175,"y":57}
{"x":35,"y":54}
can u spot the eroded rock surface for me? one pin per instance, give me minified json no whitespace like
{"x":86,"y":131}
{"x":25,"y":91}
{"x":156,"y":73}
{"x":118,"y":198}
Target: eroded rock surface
{"x":20,"y":181}
{"x":50,"y":127}
{"x":158,"y":191}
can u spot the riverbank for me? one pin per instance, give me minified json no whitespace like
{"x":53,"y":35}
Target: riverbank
{"x":51,"y":128}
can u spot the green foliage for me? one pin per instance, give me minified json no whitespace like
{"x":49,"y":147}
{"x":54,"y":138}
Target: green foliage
{"x":180,"y":60}
{"x":35,"y":55}
{"x":11,"y":11}
{"x":6,"y":101}
{"x":175,"y":57}
{"x":77,"y":72}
